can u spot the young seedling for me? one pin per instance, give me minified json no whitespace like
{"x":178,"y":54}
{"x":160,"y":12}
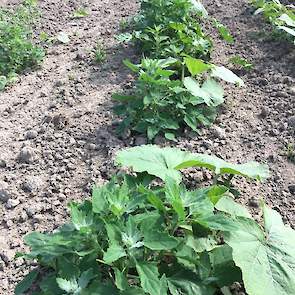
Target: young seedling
{"x":99,"y":54}
{"x":80,"y":13}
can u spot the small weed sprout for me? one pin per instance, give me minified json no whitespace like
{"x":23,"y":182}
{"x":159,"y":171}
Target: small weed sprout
{"x":290,"y":152}
{"x":99,"y":54}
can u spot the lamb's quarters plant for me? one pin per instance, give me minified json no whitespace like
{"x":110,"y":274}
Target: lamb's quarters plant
{"x":138,"y":237}
{"x":162,"y":102}
{"x":281,"y":17}
{"x":176,"y":84}
{"x":17,"y":49}
{"x":172,"y":28}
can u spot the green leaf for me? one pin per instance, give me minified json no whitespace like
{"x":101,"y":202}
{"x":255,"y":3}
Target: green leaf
{"x":288,"y":30}
{"x":85,"y":278}
{"x":226,"y":75}
{"x":217,"y":222}
{"x":214,"y":90}
{"x":211,"y":92}
{"x":149,"y":279}
{"x":188,"y":283}
{"x":49,"y":285}
{"x":287,"y":20}
{"x":134,"y":68}
{"x":224,"y":269}
{"x":170,"y":136}
{"x":164,"y":162}
{"x":3,"y":82}
{"x":223,"y":32}
{"x":172,"y":194}
{"x":99,"y":202}
{"x":152,"y":159}
{"x":70,"y":286}
{"x":199,"y":7}
{"x":113,"y":253}
{"x":193,"y":86}
{"x":158,"y":241}
{"x":122,"y":98}
{"x":228,"y":205}
{"x":120,"y":280}
{"x":26,"y":283}
{"x":81,"y":217}
{"x":196,"y":66}
{"x":63,"y":37}
{"x":80,"y":13}
{"x":266,"y":258}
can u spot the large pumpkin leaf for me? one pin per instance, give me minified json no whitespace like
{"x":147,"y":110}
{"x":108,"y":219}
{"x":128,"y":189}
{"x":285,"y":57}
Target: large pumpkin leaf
{"x":164,"y":163}
{"x":266,"y":258}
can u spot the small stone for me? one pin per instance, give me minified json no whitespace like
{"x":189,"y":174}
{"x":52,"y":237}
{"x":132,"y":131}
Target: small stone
{"x":254,"y":203}
{"x":263,"y":82}
{"x":219,"y":132}
{"x":2,"y":163}
{"x":140,"y":140}
{"x":292,"y":189}
{"x":4,"y":195}
{"x":30,"y":211}
{"x":59,"y":83}
{"x":291,"y":121}
{"x":26,"y":155}
{"x":91,"y":146}
{"x":12,"y":203}
{"x":31,"y":134}
{"x":38,"y":218}
{"x":81,"y":55}
{"x":292,"y":90}
{"x":282,"y":94}
{"x":264,"y":112}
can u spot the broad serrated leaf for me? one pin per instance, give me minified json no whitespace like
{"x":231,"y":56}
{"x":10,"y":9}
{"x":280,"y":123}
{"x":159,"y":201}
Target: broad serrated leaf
{"x":266,"y":258}
{"x":164,"y":162}
{"x":70,"y":286}
{"x":113,"y":253}
{"x":228,"y":205}
{"x":172,"y":194}
{"x":196,"y":66}
{"x":149,"y":279}
{"x":82,"y":216}
{"x":215,"y":91}
{"x":224,"y":269}
{"x":26,"y":283}
{"x":99,"y":202}
{"x":120,"y":280}
{"x":158,"y":241}
{"x":188,"y":283}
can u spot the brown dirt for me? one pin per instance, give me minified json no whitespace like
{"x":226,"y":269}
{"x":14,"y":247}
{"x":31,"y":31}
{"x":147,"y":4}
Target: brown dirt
{"x":67,"y":104}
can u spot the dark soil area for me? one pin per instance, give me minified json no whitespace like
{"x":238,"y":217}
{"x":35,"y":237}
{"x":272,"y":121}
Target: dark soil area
{"x":57,"y":129}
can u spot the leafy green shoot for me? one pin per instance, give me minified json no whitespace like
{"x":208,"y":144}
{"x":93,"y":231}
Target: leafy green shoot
{"x":80,"y":13}
{"x":99,"y":53}
{"x":138,"y":237}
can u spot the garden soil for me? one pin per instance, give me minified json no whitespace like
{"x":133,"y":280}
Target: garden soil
{"x":57,"y":129}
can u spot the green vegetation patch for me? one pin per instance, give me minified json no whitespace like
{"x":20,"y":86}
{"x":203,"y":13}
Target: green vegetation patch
{"x":17,"y":50}
{"x":136,"y":237}
{"x":281,"y":17}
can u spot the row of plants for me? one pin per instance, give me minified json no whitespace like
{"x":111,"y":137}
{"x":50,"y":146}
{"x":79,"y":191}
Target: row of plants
{"x":146,"y":233}
{"x":280,"y":16}
{"x":177,"y":85}
{"x":17,"y":49}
